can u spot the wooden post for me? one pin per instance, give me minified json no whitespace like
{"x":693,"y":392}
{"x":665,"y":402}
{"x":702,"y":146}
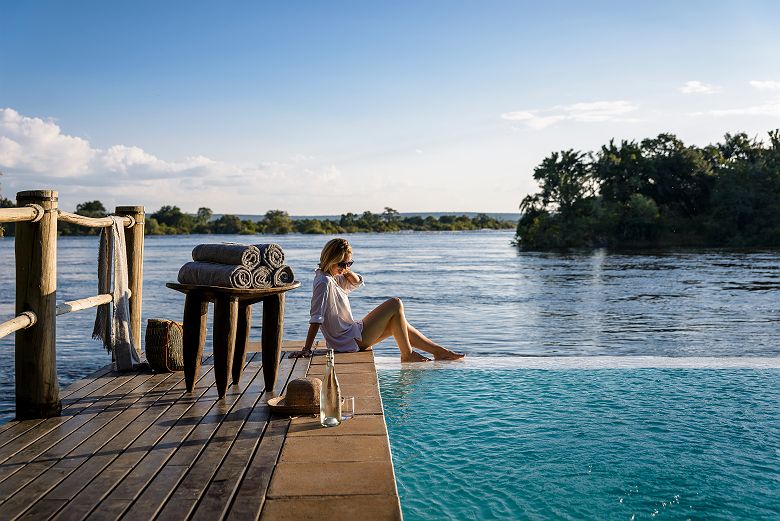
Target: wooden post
{"x":37,"y":387}
{"x":273,"y":321}
{"x":242,"y":340}
{"x":134,"y":238}
{"x":225,"y":325}
{"x":196,"y":307}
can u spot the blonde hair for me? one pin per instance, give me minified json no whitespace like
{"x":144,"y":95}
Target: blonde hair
{"x":334,"y":251}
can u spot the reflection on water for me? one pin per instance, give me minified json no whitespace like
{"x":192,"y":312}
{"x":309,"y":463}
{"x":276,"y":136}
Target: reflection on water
{"x":472,"y":291}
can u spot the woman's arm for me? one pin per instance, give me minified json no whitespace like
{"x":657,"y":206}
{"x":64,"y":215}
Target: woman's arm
{"x":351,"y":277}
{"x":313,"y":329}
{"x":348,"y":280}
{"x":306,"y":351}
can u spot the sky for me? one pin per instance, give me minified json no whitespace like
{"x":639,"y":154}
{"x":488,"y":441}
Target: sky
{"x":328,"y":107}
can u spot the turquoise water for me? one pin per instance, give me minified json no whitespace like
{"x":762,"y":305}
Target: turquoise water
{"x":585,"y":444}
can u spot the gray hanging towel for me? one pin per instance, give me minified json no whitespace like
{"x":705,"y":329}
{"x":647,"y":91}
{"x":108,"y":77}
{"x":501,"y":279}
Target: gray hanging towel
{"x":112,"y":322}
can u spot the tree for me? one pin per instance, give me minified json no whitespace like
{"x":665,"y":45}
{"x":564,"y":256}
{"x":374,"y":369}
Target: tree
{"x":621,"y":171}
{"x":278,"y":222}
{"x":227,"y":224}
{"x":681,"y":177}
{"x":173,"y":217}
{"x":91,"y":209}
{"x":390,"y":215}
{"x":204,"y":215}
{"x":565,"y":180}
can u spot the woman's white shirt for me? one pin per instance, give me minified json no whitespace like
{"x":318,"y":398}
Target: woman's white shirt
{"x":330,"y":308}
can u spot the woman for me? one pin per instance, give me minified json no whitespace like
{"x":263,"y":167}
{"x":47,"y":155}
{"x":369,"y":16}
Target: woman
{"x":331,"y":312}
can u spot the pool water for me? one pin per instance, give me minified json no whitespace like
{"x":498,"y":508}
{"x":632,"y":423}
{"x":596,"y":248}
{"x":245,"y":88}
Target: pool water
{"x":520,"y":443}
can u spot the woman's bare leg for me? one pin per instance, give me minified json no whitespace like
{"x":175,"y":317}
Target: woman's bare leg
{"x":389,"y":315}
{"x":421,"y":341}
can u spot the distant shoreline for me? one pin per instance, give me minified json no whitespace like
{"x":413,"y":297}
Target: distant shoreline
{"x":501,"y":216}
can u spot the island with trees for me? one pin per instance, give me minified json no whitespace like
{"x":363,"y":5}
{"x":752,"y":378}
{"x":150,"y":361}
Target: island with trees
{"x":657,"y":192}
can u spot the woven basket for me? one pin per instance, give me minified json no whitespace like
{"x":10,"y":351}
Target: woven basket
{"x":164,"y":341}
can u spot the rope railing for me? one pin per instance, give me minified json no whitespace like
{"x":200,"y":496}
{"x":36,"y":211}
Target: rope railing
{"x":29,"y":213}
{"x":35,"y":237}
{"x":92,"y":222}
{"x":22,"y":321}
{"x":85,"y":303}
{"x":28,"y":318}
{"x":34,"y":213}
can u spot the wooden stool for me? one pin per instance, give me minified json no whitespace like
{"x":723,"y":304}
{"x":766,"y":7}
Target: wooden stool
{"x":232,"y":321}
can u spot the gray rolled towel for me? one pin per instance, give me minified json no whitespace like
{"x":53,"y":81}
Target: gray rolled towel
{"x":283,"y":276}
{"x":271,"y":255}
{"x":262,"y":278}
{"x":228,"y":253}
{"x":213,"y":274}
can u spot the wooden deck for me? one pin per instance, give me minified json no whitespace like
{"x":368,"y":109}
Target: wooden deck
{"x":138,"y":446}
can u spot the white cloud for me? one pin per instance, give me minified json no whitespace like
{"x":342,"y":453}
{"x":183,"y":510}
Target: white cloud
{"x":765,"y":85}
{"x":35,"y":153}
{"x":770,"y":108}
{"x":590,"y":112}
{"x":698,"y":87}
{"x":34,"y":144}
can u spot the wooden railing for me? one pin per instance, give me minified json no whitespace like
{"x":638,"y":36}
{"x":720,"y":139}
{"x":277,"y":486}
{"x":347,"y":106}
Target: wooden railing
{"x":36,"y":215}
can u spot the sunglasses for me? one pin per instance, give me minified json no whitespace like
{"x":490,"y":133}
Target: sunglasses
{"x":344,"y":265}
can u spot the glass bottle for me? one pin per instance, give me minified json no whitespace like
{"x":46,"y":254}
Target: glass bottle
{"x":330,"y":395}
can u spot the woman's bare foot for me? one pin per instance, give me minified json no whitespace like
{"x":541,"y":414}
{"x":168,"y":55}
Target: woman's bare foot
{"x":414,"y":357}
{"x":449,"y":355}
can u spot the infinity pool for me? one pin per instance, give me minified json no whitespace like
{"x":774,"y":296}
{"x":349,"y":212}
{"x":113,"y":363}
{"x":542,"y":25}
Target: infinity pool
{"x":622,"y":443}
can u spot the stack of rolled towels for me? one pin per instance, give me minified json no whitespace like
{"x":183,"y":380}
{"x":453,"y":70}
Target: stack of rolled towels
{"x":232,"y":265}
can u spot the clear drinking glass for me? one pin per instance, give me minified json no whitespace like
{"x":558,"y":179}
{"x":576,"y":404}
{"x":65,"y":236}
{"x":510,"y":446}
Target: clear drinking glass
{"x":347,"y":407}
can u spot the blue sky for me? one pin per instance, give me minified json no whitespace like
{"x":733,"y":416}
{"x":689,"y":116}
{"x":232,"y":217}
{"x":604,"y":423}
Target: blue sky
{"x":328,"y":107}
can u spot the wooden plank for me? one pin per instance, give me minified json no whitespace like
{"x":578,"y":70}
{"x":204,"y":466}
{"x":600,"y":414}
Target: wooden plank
{"x":78,"y":384}
{"x":155,"y":424}
{"x":224,"y":485}
{"x":199,"y":475}
{"x":17,"y":428}
{"x":38,"y":471}
{"x":250,"y":496}
{"x":75,"y":415}
{"x":98,"y":451}
{"x":77,"y":390}
{"x":158,"y":483}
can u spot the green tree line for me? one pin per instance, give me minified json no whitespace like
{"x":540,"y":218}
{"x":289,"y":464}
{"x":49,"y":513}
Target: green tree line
{"x":657,"y":192}
{"x":170,"y":220}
